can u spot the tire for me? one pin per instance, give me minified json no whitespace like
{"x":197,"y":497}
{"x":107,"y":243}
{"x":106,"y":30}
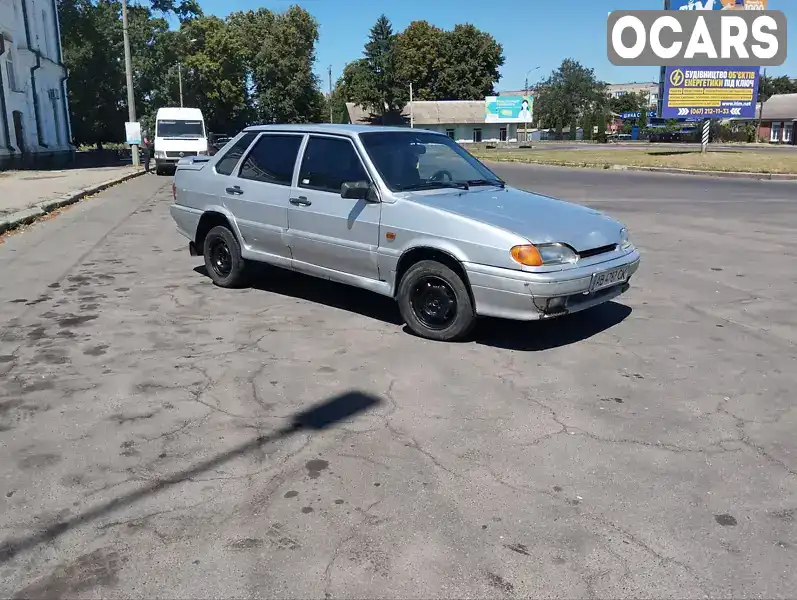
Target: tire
{"x":435,"y":303}
{"x":223,"y":260}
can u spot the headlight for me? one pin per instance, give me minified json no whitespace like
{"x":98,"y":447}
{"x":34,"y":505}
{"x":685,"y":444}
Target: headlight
{"x":202,"y":153}
{"x":160,"y":154}
{"x":543,"y":254}
{"x":625,"y":243}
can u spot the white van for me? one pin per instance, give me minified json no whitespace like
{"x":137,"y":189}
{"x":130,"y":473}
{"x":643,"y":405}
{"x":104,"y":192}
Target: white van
{"x":179,"y":132}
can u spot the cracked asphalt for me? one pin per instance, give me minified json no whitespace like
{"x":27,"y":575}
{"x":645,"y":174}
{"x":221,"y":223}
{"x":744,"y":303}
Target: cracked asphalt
{"x":161,"y":437}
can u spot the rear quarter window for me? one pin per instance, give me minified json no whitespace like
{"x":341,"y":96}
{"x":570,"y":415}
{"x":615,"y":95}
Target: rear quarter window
{"x":226,"y":164}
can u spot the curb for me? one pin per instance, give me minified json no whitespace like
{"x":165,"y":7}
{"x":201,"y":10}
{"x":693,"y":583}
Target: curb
{"x":36,"y":212}
{"x":670,"y":170}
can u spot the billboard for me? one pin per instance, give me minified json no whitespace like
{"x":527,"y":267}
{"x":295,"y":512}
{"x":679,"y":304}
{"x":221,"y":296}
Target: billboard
{"x":508,"y":109}
{"x":710,"y":93}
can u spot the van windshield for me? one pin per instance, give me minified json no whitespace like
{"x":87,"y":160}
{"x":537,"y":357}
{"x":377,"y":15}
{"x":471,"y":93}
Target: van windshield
{"x":180,"y":129}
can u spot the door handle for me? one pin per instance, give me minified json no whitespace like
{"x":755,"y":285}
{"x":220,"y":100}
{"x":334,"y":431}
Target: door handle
{"x":301,"y":201}
{"x":235,"y":190}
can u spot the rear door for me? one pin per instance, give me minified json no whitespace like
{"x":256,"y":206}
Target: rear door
{"x":324,"y":229}
{"x":260,"y":190}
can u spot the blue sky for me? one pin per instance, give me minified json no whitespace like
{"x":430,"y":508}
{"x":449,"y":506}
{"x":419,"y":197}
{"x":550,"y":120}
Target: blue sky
{"x":533,"y":32}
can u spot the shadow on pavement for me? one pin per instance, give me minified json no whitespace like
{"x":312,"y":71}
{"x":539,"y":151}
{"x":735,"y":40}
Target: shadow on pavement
{"x":532,"y":336}
{"x":317,"y":418}
{"x":535,"y":336}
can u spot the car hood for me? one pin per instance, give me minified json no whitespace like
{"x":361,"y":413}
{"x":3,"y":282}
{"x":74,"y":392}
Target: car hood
{"x":538,"y":218}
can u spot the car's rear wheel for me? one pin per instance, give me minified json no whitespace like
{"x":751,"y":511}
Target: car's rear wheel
{"x":223,"y":259}
{"x":435,"y":303}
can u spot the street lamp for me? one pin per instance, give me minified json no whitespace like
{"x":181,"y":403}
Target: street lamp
{"x":526,"y":125}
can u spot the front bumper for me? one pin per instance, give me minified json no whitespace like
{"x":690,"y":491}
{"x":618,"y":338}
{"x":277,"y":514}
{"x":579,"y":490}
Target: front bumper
{"x":526,"y":296}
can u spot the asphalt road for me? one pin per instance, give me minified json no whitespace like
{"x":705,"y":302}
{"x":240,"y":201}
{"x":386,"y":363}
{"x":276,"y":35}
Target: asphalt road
{"x":161,"y":437}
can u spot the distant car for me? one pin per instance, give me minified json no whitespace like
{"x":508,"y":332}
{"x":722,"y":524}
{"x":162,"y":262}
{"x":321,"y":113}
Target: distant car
{"x":217,"y":142}
{"x":401,"y":212}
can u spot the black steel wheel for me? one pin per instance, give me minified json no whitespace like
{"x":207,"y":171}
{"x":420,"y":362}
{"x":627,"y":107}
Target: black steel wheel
{"x":435,"y":303}
{"x":223,"y":260}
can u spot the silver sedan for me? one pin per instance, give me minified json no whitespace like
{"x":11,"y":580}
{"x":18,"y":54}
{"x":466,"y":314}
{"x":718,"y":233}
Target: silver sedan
{"x":402,"y":212}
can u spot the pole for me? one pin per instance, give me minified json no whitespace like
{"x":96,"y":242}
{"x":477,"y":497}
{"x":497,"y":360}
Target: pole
{"x":331,"y":120}
{"x":131,"y":102}
{"x":412,"y":110}
{"x":706,"y":130}
{"x":525,"y":124}
{"x":180,"y":81}
{"x":760,"y":107}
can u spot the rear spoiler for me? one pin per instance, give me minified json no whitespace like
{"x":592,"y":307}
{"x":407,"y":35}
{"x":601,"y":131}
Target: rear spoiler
{"x":192,"y":163}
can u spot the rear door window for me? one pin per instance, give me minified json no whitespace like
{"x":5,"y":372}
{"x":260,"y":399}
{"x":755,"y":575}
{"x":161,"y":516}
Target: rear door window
{"x":226,"y":164}
{"x":272,"y":159}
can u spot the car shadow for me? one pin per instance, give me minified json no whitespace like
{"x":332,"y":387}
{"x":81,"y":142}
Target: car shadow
{"x":531,"y":336}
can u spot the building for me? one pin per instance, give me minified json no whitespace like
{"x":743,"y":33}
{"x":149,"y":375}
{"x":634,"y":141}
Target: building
{"x":648,"y":88}
{"x":778,"y":117}
{"x":462,"y":120}
{"x":34,"y":116}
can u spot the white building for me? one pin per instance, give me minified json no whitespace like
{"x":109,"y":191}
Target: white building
{"x":34,"y":116}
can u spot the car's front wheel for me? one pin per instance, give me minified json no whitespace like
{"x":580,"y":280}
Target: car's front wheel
{"x":223,"y":259}
{"x":435,"y":303}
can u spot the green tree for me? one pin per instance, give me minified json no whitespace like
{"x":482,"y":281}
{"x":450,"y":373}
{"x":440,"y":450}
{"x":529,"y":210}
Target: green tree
{"x":570,"y":92}
{"x":418,"y":59}
{"x":279,"y":52}
{"x":468,"y":64}
{"x":770,"y":86}
{"x":372,"y":81}
{"x":215,"y":73}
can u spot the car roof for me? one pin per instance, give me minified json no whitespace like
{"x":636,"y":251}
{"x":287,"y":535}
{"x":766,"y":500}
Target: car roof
{"x":342,"y":129}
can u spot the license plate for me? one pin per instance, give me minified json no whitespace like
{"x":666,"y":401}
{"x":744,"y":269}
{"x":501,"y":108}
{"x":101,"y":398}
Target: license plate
{"x":608,"y":278}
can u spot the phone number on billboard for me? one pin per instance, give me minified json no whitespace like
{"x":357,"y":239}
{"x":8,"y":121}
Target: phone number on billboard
{"x":710,"y":111}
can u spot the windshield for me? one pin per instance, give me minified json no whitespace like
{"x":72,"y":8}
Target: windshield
{"x":180,"y":129}
{"x":416,"y":160}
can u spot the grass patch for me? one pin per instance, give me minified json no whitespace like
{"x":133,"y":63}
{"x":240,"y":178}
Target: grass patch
{"x":747,"y":161}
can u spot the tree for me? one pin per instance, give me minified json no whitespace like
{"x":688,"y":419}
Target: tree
{"x":568,"y":94}
{"x":468,"y":64}
{"x":418,"y":58}
{"x":279,"y":51}
{"x":372,"y":81}
{"x":771,"y":86}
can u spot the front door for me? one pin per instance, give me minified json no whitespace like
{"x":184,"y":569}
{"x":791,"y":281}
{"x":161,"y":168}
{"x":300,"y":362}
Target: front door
{"x":324,"y":229}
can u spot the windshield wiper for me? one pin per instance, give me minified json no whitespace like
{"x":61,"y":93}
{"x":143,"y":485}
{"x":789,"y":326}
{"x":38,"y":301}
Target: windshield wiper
{"x":496,"y":182}
{"x":429,"y":185}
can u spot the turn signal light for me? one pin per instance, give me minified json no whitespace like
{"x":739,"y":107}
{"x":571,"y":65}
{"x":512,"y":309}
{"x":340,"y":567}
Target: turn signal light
{"x":527,"y":256}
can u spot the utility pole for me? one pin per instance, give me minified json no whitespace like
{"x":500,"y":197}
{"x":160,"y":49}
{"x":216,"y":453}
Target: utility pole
{"x":180,"y":81}
{"x":760,"y":107}
{"x":131,"y":101}
{"x":331,"y":120}
{"x":412,"y":110}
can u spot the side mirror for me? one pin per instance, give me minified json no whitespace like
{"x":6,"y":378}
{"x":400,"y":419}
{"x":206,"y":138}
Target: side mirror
{"x":356,"y":190}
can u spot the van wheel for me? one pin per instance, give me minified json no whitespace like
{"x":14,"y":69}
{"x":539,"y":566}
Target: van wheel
{"x":435,"y":303}
{"x":223,"y":259}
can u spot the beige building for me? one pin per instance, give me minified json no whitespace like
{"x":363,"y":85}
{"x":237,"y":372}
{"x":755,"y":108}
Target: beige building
{"x":648,"y":88}
{"x":461,"y":120}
